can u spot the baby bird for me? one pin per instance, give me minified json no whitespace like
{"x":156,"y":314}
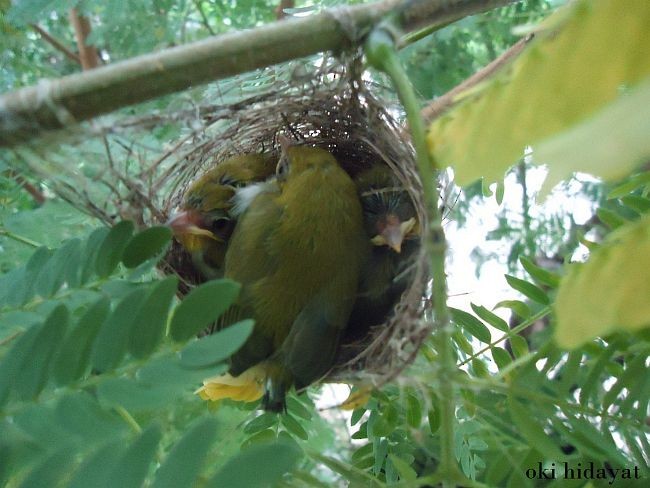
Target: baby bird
{"x":205,"y":223}
{"x":297,"y":251}
{"x":391,"y":225}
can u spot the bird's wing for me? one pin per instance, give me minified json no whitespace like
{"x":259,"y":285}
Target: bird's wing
{"x":310,"y":346}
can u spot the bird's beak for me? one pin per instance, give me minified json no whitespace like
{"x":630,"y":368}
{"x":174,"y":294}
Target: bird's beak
{"x":393,"y":234}
{"x":188,"y":223}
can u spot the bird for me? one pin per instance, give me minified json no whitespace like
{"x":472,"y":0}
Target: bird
{"x":391,"y":225}
{"x":297,"y":251}
{"x":205,"y":222}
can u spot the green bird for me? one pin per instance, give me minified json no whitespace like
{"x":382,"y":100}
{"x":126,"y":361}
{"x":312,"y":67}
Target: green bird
{"x":205,"y":222}
{"x":297,"y":251}
{"x":391,"y":225}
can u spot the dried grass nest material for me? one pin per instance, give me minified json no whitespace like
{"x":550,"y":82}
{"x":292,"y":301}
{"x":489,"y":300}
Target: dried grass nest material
{"x":340,"y":115}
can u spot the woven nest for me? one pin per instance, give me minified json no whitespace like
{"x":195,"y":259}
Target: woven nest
{"x":332,"y":109}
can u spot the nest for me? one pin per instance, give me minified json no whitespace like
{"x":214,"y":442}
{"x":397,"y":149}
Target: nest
{"x":333,"y":109}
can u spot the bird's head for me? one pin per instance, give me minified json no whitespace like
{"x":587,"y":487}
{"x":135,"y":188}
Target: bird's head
{"x":297,"y":159}
{"x":388,"y":212}
{"x":204,"y":224}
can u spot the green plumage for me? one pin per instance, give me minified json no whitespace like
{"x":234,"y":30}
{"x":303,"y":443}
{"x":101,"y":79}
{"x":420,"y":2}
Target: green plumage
{"x":297,"y":250}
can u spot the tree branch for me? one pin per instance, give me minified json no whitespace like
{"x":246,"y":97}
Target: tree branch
{"x":87,"y":54}
{"x":56,"y":43}
{"x":445,"y":102}
{"x":55,"y":104}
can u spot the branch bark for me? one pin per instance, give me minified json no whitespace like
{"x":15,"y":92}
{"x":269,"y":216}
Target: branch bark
{"x":55,"y":104}
{"x":87,"y":54}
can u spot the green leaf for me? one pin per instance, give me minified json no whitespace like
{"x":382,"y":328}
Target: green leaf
{"x":134,"y":396}
{"x":261,"y":437}
{"x":595,"y":126}
{"x":14,"y":362}
{"x":132,"y":467}
{"x":53,"y":273}
{"x":532,"y":431}
{"x":380,"y":449}
{"x":479,"y":368}
{"x":630,"y":184}
{"x":50,"y":471}
{"x":261,"y":422}
{"x":146,"y":245}
{"x":25,"y":288}
{"x":413,"y":411}
{"x":498,"y":195}
{"x":531,"y":291}
{"x":167,"y":371}
{"x":97,"y":468}
{"x":74,"y":357}
{"x":471,"y":324}
{"x":111,"y":342}
{"x":296,"y":407}
{"x":201,"y":307}
{"x":406,"y":472}
{"x":634,"y":370}
{"x":517,"y":306}
{"x":540,"y":275}
{"x":90,"y":252}
{"x":460,"y":339}
{"x":259,"y":465}
{"x":216,"y":347}
{"x":501,"y":357}
{"x":610,"y":218}
{"x":80,"y":414}
{"x":433,"y":416}
{"x":608,"y":293}
{"x":639,"y":204}
{"x":491,"y":318}
{"x":73,"y":268}
{"x":149,"y":326}
{"x":357,"y":413}
{"x":519,"y":346}
{"x":183,"y":464}
{"x":35,"y":373}
{"x":294,"y":427}
{"x":110,"y":251}
{"x":362,"y":452}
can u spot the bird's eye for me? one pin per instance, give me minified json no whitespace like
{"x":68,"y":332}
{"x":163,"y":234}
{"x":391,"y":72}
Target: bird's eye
{"x":220,"y":224}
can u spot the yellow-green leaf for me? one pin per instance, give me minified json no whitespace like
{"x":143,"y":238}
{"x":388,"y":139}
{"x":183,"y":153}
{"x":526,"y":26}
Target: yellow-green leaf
{"x":610,"y":291}
{"x":586,"y":72}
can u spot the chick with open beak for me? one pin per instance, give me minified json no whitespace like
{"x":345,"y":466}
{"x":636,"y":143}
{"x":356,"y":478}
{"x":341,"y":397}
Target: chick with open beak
{"x":205,"y":221}
{"x":391,"y":224}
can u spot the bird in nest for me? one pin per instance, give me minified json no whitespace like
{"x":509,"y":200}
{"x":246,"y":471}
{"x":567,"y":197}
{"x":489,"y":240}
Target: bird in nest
{"x":319,"y":257}
{"x":205,"y":222}
{"x":391,"y":224}
{"x":297,"y":250}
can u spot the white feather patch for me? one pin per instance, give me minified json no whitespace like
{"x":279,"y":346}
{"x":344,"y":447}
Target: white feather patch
{"x":245,"y":196}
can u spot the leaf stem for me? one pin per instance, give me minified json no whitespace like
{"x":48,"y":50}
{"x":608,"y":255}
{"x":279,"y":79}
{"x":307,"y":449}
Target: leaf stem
{"x":128,"y":418}
{"x":381,"y":52}
{"x":16,"y":237}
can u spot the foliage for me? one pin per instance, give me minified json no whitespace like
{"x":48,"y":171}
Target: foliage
{"x":471,"y":137}
{"x":98,"y":360}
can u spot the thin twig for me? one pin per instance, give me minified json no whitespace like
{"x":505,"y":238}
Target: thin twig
{"x":443,"y":103}
{"x":56,"y":43}
{"x":204,"y":19}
